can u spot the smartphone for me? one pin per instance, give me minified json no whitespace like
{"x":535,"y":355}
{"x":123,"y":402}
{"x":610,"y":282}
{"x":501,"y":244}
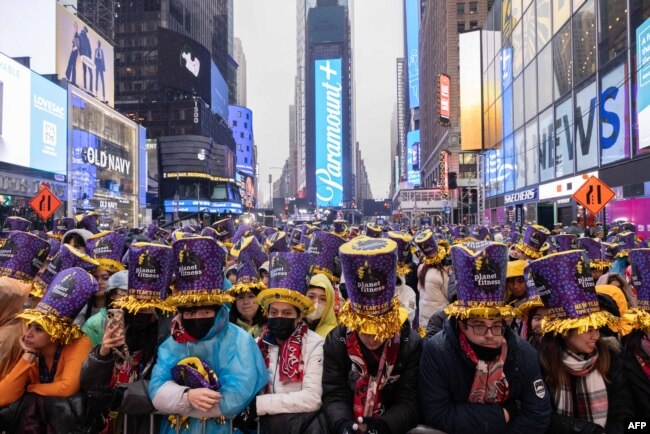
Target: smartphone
{"x":116,"y":319}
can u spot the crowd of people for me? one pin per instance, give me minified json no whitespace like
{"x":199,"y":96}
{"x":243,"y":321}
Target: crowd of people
{"x":322,"y":328}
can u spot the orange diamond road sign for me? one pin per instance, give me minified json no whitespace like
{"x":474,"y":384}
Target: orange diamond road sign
{"x":594,"y":195}
{"x":45,"y":203}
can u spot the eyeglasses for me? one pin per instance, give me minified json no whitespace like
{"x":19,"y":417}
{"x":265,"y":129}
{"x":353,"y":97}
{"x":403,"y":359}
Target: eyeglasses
{"x":481,"y":329}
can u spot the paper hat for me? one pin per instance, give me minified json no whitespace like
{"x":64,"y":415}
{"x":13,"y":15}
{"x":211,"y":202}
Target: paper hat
{"x":255,"y":252}
{"x":516,"y":268}
{"x":403,"y":241}
{"x":324,"y":247}
{"x":212,"y":233}
{"x":61,"y":226}
{"x":15,"y":223}
{"x":225,"y":228}
{"x":370,"y":270}
{"x":373,"y":230}
{"x":480,"y":268}
{"x":628,"y":226}
{"x":288,"y":281}
{"x":340,"y":227}
{"x":55,"y":245}
{"x":198,"y":265}
{"x":626,"y":241}
{"x":150,"y":273}
{"x":277,"y":242}
{"x":480,"y":232}
{"x":88,"y":221}
{"x":567,"y":290}
{"x":67,"y":257}
{"x":294,"y":240}
{"x":39,"y":233}
{"x":609,"y":251}
{"x":640,"y":262}
{"x":565,"y":242}
{"x":107,"y":248}
{"x":513,"y":237}
{"x":195,"y":373}
{"x":153,"y":232}
{"x":460,"y":234}
{"x":434,"y":251}
{"x":67,"y":294}
{"x":594,"y":251}
{"x":248,"y":276}
{"x":307,"y":232}
{"x":22,"y":255}
{"x":534,"y":242}
{"x":244,"y":230}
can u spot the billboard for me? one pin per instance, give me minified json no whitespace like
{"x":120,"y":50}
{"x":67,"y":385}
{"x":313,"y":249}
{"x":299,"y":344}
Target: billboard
{"x":241,"y":123}
{"x":643,"y":81}
{"x":443,"y":83}
{"x":471,"y":107}
{"x":83,"y":57}
{"x":412,"y":13}
{"x":329,"y":132}
{"x":219,"y":96}
{"x":33,"y":119}
{"x":413,"y":156}
{"x":184,"y":64}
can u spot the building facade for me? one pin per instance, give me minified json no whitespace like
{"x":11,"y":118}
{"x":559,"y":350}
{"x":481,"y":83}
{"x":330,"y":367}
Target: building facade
{"x":240,"y":59}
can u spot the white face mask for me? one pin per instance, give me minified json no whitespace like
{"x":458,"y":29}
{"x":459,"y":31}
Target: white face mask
{"x":317,"y":313}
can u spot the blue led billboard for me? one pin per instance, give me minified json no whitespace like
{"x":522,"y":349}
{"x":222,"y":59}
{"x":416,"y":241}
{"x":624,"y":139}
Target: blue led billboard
{"x":202,"y":205}
{"x":240,"y":120}
{"x":412,"y":11}
{"x":219,"y":90}
{"x":413,"y":156}
{"x":643,"y":80}
{"x":329,"y":132}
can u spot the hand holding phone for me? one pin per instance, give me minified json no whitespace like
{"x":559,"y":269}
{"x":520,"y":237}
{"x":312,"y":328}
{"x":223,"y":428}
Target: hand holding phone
{"x":113,"y":333}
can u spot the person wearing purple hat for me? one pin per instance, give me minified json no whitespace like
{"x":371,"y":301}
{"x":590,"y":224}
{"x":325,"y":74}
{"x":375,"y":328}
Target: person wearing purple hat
{"x":15,"y":223}
{"x":405,"y":267}
{"x":594,"y":250}
{"x":340,"y":228}
{"x":589,"y":392}
{"x":61,"y":226}
{"x":371,"y":360}
{"x":433,"y":276}
{"x":276,"y":242}
{"x":476,"y":375}
{"x":534,"y":243}
{"x":88,"y":221}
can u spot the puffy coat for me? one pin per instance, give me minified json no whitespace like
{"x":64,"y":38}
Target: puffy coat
{"x":399,"y":397}
{"x":294,"y":397}
{"x":94,"y":327}
{"x":235,"y":358}
{"x":433,"y":295}
{"x":13,"y":294}
{"x":446,"y":380}
{"x":406,"y":297}
{"x":639,"y":385}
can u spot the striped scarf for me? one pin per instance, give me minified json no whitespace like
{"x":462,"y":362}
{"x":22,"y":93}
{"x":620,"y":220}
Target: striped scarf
{"x":585,"y":396}
{"x":490,"y":385}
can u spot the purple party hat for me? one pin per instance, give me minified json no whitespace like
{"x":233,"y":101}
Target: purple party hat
{"x":434,"y":251}
{"x":294,"y":240}
{"x":254,"y":250}
{"x":324,"y":248}
{"x":276,"y":243}
{"x":566,"y":242}
{"x":15,"y":223}
{"x":404,"y":243}
{"x":626,"y":241}
{"x":288,"y":281}
{"x":534,"y":242}
{"x":640,"y":262}
{"x":340,"y":228}
{"x":67,"y":294}
{"x":248,"y":277}
{"x":195,"y":373}
{"x":107,"y":248}
{"x":61,"y":226}
{"x":244,"y":230}
{"x":22,"y":255}
{"x":373,"y":230}
{"x":67,"y":257}
{"x":55,"y":245}
{"x":89,"y":221}
{"x":594,"y":251}
{"x":225,"y":228}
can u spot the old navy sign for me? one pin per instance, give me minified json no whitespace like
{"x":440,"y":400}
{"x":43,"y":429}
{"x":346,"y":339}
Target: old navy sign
{"x":520,"y":196}
{"x":329,"y":132}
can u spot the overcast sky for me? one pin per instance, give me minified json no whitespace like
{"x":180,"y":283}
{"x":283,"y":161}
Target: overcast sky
{"x":267,"y":29}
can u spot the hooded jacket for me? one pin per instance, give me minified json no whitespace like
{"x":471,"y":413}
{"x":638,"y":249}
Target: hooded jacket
{"x":446,"y":376}
{"x":328,"y":320}
{"x":434,"y":294}
{"x":13,"y":294}
{"x":234,"y":357}
{"x":406,"y":297}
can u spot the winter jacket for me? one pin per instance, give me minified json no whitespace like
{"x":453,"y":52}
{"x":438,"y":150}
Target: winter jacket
{"x":406,"y":298}
{"x":328,"y":321}
{"x":294,"y":397}
{"x":446,"y":380}
{"x":94,"y":327}
{"x":436,"y":322}
{"x":639,"y":385}
{"x":13,"y":294}
{"x":399,"y":397}
{"x":433,"y":295}
{"x":234,"y":357}
{"x":619,"y":401}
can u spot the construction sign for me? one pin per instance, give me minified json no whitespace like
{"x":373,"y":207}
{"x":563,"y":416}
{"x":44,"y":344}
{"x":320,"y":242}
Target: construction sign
{"x":594,"y":195}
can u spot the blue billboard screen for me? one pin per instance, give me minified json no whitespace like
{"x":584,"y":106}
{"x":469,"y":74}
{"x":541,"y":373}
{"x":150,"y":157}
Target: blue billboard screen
{"x":329,"y":132}
{"x":413,"y":156}
{"x":219,"y":90}
{"x":643,"y":80}
{"x":412,"y":11}
{"x":240,"y":120}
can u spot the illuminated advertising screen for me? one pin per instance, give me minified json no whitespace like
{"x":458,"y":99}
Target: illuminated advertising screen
{"x":240,"y":120}
{"x":444,"y":98}
{"x":329,"y":132}
{"x":219,"y":104}
{"x":412,"y":10}
{"x":205,"y":205}
{"x":471,"y":111}
{"x":33,"y":119}
{"x":413,"y":156}
{"x":83,"y":57}
{"x":643,"y":82}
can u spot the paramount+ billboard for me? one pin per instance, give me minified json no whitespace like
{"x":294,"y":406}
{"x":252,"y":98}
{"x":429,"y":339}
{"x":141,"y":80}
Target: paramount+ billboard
{"x":329,"y":132}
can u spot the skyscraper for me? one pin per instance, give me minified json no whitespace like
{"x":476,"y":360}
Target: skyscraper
{"x":240,"y":58}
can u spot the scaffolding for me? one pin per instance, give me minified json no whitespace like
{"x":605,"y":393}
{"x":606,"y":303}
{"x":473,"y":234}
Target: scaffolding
{"x":414,"y":204}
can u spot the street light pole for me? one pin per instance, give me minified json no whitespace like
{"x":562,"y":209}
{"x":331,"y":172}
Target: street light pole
{"x":270,"y":191}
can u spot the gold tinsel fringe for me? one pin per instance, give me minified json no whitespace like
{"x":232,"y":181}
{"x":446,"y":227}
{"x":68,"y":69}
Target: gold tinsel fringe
{"x":202,"y":298}
{"x":464,"y":240}
{"x":135,"y":305}
{"x":38,"y":291}
{"x":403,"y":269}
{"x":298,"y":248}
{"x":242,"y":288}
{"x":326,"y":273}
{"x":638,"y":318}
{"x":438,"y":258}
{"x":58,"y":329}
{"x":183,"y":422}
{"x":529,"y":251}
{"x":422,"y":332}
{"x":455,"y":309}
{"x":384,"y":326}
{"x":599,"y":264}
{"x":595,"y":320}
{"x":530,"y":303}
{"x":623,"y":254}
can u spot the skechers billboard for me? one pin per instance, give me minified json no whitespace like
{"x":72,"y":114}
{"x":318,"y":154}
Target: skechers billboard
{"x":329,"y":132}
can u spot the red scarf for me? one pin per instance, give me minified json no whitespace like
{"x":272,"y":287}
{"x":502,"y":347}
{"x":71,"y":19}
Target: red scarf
{"x":367,"y":389}
{"x":490,"y":384}
{"x":291,"y":362}
{"x":178,"y":332}
{"x":643,"y":356}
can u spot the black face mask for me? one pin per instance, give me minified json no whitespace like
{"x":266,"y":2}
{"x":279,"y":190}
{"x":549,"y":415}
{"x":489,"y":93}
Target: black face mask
{"x":282,"y":327}
{"x":139,"y":330}
{"x":198,"y":327}
{"x":486,"y":354}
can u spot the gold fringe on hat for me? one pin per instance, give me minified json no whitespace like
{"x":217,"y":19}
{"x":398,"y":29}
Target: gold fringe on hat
{"x":438,"y":257}
{"x":298,"y":248}
{"x":530,"y":252}
{"x":382,"y":326}
{"x":327,"y":273}
{"x":198,"y":297}
{"x":599,"y":264}
{"x":110,"y":265}
{"x":59,"y":329}
{"x":403,"y":269}
{"x":38,"y":290}
{"x":134,"y":304}
{"x":529,"y":303}
{"x":244,"y":287}
{"x":583,"y":324}
{"x":480,"y":310}
{"x":465,"y":240}
{"x":638,"y":318}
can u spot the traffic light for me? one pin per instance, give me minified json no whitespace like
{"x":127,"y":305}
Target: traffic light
{"x":452,"y":177}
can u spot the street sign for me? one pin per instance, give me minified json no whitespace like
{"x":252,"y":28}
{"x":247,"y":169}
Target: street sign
{"x":594,"y":195}
{"x":45,"y":203}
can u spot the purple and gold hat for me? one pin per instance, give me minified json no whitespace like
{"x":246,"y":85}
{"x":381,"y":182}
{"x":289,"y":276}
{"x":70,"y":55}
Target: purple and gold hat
{"x":626,"y":241}
{"x":55,"y":245}
{"x":532,"y":300}
{"x":61,"y":226}
{"x":154,"y":232}
{"x":404,"y":244}
{"x":254,"y":250}
{"x":67,"y":257}
{"x":22,"y":255}
{"x":88,"y":221}
{"x":194,"y":373}
{"x":294,"y":240}
{"x":244,"y":230}
{"x":640,"y":262}
{"x":66,"y":296}
{"x":288,"y":281}
{"x":225,"y":228}
{"x":535,"y":241}
{"x":566,"y":242}
{"x":434,"y":251}
{"x":373,"y":230}
{"x":39,"y":233}
{"x":198,"y":264}
{"x":150,"y":274}
{"x":268,"y":232}
{"x":248,"y":276}
{"x":628,"y":226}
{"x":481,"y":271}
{"x":567,"y":290}
{"x":277,"y":242}
{"x":340,"y":227}
{"x":324,"y":248}
{"x":107,"y":248}
{"x":460,"y":234}
{"x":370,"y":270}
{"x":480,"y":232}
{"x":594,"y":250}
{"x":15,"y":223}
{"x":610,"y":251}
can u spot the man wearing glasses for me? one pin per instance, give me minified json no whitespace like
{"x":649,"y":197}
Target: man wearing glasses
{"x":476,"y":374}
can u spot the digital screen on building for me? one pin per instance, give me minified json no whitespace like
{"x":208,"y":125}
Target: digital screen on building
{"x":471,"y":110}
{"x":643,"y":83}
{"x":413,"y":156}
{"x":83,"y":57}
{"x":240,"y":120}
{"x":249,"y":197}
{"x":33,"y":119}
{"x":412,"y":11}
{"x":202,"y":205}
{"x":184,"y":64}
{"x":219,"y":104}
{"x":329,"y":132}
{"x":443,"y":85}
{"x":152,"y":166}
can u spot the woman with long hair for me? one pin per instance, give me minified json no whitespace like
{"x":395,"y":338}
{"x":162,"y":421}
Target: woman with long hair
{"x":433,"y":276}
